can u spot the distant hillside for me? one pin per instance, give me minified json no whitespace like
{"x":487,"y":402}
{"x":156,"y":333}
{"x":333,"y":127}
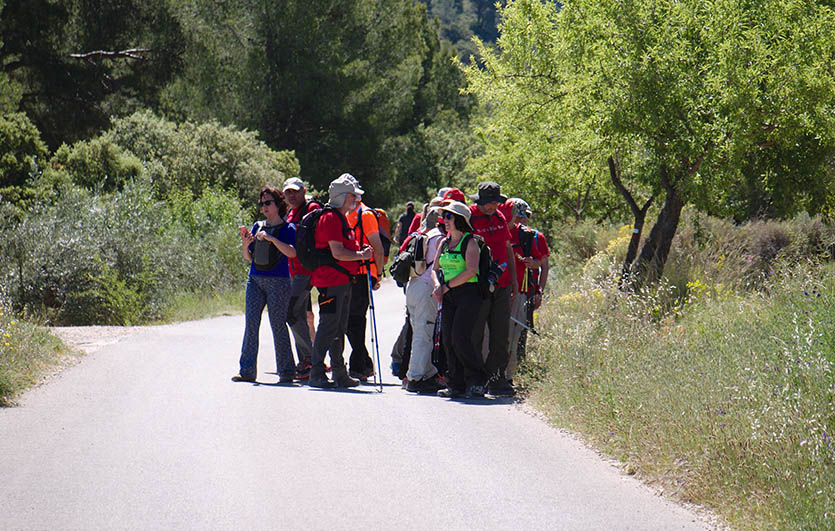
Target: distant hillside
{"x":463,"y":19}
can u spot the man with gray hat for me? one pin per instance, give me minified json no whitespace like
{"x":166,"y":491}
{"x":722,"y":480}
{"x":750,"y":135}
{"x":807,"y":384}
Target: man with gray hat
{"x":298,"y":207}
{"x":531,"y":255}
{"x":489,"y":223}
{"x":333,"y":281}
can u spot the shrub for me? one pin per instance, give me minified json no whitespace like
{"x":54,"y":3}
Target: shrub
{"x":191,"y":157}
{"x":98,"y":164}
{"x":20,"y":149}
{"x":116,"y":258}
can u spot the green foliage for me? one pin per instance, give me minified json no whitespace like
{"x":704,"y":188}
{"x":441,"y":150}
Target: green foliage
{"x":21,"y":148}
{"x":78,"y":62}
{"x":716,"y":387}
{"x":98,"y":164}
{"x":461,"y":20}
{"x":118,"y":257}
{"x":192,"y":157}
{"x":27,"y":351}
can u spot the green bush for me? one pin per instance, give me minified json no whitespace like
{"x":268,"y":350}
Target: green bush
{"x":21,"y":151}
{"x":98,"y":165}
{"x":117,"y":258}
{"x":191,"y":157}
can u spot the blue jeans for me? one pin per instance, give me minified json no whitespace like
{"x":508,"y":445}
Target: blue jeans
{"x":274,"y":293}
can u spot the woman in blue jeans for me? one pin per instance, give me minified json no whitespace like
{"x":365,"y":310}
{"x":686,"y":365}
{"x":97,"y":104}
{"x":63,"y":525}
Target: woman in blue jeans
{"x":267,"y":246}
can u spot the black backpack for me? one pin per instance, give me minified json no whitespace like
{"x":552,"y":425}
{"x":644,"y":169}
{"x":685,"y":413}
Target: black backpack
{"x":487,"y":267}
{"x":306,"y":251}
{"x":265,"y":256}
{"x":411,"y":260}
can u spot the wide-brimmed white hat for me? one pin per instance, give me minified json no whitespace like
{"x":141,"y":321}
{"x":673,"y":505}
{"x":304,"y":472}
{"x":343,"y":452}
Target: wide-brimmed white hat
{"x":459,"y":209}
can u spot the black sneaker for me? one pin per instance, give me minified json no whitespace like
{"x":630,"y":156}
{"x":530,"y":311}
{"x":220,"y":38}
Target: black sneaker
{"x":429,"y":386}
{"x":362,"y":376}
{"x":474,"y":391}
{"x":303,"y":370}
{"x":321,"y":382}
{"x":243,"y":378}
{"x":451,"y":392}
{"x":286,"y":378}
{"x":501,"y":387}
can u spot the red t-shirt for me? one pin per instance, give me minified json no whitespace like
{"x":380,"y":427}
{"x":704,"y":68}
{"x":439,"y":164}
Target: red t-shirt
{"x":496,"y":234}
{"x":295,"y":216}
{"x":539,"y":250}
{"x":415,"y":225}
{"x":328,"y":229}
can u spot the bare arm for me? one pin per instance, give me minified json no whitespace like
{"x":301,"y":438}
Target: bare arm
{"x":377,"y":245}
{"x":514,"y":285}
{"x":339,"y":252}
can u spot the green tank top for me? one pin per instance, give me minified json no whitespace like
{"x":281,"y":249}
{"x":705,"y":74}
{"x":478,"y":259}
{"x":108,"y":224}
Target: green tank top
{"x":452,"y":262}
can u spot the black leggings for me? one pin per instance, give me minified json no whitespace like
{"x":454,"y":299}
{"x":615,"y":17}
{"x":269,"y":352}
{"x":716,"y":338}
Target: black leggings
{"x":462,"y":327}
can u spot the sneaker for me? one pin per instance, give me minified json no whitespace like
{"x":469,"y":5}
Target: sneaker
{"x":451,"y":392}
{"x":429,"y":386}
{"x":321,"y":382}
{"x":242,"y":378}
{"x":362,"y":376}
{"x":286,"y":378}
{"x":303,"y":370}
{"x":474,"y":391}
{"x":501,"y":387}
{"x":345,"y":380}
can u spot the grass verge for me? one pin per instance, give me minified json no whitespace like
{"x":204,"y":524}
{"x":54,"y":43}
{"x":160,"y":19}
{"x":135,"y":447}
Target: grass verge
{"x":27,"y":353}
{"x":193,"y":306}
{"x":726,"y":400}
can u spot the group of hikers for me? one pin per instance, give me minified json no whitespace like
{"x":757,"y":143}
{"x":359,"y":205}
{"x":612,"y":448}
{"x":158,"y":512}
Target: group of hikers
{"x":473,"y":275}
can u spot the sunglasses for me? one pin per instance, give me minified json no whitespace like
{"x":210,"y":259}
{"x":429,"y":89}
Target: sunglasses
{"x":448,"y":215}
{"x":268,"y":202}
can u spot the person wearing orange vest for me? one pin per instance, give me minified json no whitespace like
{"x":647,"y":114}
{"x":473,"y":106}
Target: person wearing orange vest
{"x":366,"y":231}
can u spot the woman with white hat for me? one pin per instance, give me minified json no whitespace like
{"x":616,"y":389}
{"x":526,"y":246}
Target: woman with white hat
{"x":456,"y":287}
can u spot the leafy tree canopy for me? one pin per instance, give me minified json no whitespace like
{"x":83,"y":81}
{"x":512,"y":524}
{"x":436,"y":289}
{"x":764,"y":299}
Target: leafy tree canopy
{"x":686,"y":96}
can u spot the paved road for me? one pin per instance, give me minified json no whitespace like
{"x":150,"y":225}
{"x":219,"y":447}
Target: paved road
{"x":150,"y":433}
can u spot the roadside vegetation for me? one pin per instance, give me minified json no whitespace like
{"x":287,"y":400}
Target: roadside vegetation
{"x":716,"y":385}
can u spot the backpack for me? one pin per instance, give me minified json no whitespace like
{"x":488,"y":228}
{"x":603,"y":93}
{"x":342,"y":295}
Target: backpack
{"x":306,"y":251}
{"x":411,"y":260}
{"x":383,"y":229}
{"x":264,"y":254}
{"x":487,"y":267}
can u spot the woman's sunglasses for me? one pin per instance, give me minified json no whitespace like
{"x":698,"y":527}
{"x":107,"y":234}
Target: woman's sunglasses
{"x":448,"y":215}
{"x":268,"y":202}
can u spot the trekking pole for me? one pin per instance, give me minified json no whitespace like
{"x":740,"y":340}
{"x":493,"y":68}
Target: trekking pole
{"x":375,"y":339}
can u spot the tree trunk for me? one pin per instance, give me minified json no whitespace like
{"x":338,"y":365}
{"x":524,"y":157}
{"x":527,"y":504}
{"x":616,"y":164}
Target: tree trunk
{"x":650,"y":265}
{"x":639,"y":213}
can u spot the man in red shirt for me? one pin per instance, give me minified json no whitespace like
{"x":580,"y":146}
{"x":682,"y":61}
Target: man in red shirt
{"x":333,"y":282}
{"x":531,"y":255}
{"x":298,"y":206}
{"x":491,"y":225}
{"x":363,"y":221}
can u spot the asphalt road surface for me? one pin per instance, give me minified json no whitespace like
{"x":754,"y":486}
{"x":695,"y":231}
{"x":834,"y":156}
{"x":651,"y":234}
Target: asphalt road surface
{"x":150,"y":433}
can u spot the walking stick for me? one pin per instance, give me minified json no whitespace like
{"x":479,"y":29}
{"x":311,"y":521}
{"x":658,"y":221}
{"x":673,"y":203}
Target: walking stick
{"x":375,"y":339}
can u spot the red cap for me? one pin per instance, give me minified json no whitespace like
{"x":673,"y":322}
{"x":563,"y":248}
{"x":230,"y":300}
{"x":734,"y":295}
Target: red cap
{"x":454,"y":195}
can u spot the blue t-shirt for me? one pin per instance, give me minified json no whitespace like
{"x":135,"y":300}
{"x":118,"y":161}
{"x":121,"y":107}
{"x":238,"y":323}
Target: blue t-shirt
{"x":286,"y":234}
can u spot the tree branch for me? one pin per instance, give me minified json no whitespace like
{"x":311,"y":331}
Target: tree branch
{"x":132,"y":53}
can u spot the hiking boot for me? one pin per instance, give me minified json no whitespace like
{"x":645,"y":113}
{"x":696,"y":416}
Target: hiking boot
{"x":303,"y":370}
{"x":343,"y":379}
{"x":286,"y":378}
{"x":429,"y":386}
{"x":321,"y":382}
{"x":501,"y":387}
{"x":243,"y":378}
{"x":451,"y":392}
{"x":474,"y":391}
{"x":362,"y":376}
